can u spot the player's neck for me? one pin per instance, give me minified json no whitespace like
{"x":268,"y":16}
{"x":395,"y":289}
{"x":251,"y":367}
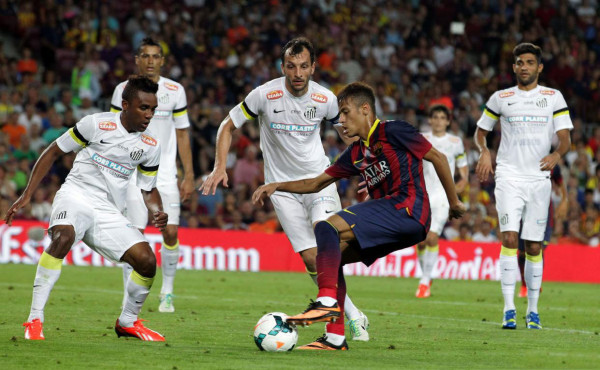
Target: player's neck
{"x":439,"y":133}
{"x":529,"y":87}
{"x":124,"y":122}
{"x":154,"y":78}
{"x":295,"y":93}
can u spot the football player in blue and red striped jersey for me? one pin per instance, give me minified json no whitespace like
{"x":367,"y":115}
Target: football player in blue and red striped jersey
{"x":389,"y":158}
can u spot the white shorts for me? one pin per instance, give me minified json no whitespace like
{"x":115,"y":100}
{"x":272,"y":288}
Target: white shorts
{"x":439,"y":214}
{"x":526,"y":200}
{"x":137,"y":213}
{"x":102,"y":227}
{"x":298,"y":212}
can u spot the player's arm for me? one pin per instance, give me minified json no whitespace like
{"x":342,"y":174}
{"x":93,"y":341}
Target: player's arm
{"x":564,"y":144}
{"x":463,"y":173}
{"x":40,"y":170}
{"x":185,"y":154}
{"x":154,"y":204}
{"x":484,"y":164}
{"x":440,"y":163}
{"x":304,"y":186}
{"x":219,"y":174}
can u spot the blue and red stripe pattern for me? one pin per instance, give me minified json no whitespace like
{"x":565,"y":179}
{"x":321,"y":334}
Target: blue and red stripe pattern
{"x":391,"y":163}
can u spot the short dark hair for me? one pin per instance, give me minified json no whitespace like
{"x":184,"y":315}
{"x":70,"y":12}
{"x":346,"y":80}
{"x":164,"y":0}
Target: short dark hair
{"x":148,"y":41}
{"x":138,"y":83}
{"x":526,"y":47}
{"x":296,"y":46}
{"x":439,"y":108}
{"x":359,"y":93}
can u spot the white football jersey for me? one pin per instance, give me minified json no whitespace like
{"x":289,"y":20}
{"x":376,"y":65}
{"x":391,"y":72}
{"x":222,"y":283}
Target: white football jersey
{"x":528,"y":121}
{"x":452,"y":147}
{"x":107,"y":158}
{"x":170,"y":114}
{"x":289,"y":128}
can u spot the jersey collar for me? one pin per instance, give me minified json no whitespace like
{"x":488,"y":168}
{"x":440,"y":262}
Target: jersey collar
{"x":371,"y":131}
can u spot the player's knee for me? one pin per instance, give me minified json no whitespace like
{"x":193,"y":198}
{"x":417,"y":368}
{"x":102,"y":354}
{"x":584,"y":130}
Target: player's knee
{"x":510,"y":240}
{"x":309,"y":257}
{"x":144,"y":262}
{"x":61,"y":241}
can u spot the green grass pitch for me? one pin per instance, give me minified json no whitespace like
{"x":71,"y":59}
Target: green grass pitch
{"x":457,"y":327}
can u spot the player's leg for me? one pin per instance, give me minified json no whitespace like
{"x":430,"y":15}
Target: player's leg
{"x":47,"y":273}
{"x":69,"y":219}
{"x":320,"y":206}
{"x":439,"y":216}
{"x":521,"y":260}
{"x":510,"y":203}
{"x":170,"y":247}
{"x":329,"y":259}
{"x":137,"y":214}
{"x":534,"y":228}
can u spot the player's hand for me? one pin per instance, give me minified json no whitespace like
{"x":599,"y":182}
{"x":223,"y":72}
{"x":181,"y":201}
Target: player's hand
{"x":209,"y":186}
{"x":159,"y":219}
{"x":457,"y":210}
{"x":548,"y":162}
{"x":17,"y":205}
{"x":484,"y":165}
{"x":186,"y":189}
{"x":561,"y":210}
{"x":363,"y":191}
{"x":266,"y":189}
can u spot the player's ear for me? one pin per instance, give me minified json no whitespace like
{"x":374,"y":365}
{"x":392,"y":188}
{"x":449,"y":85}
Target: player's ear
{"x":281,"y":68}
{"x":540,"y":68}
{"x":124,"y":104}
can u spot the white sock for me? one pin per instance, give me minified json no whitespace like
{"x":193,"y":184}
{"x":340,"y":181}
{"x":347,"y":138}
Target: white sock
{"x":509,"y":270}
{"x":170,"y":258}
{"x":429,"y":260}
{"x":352,"y":313}
{"x":335,"y":339}
{"x":350,"y":310}
{"x":327,"y":301}
{"x":47,"y":273}
{"x":138,"y":288}
{"x":127,"y":270}
{"x":533,"y":278}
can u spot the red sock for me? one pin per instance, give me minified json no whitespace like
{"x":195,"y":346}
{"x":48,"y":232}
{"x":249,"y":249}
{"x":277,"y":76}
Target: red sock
{"x":329,"y":258}
{"x":338,"y":326}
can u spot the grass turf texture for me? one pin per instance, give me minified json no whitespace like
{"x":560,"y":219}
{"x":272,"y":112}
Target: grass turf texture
{"x":459,"y":326}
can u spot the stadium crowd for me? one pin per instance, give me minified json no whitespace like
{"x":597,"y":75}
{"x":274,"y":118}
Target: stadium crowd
{"x":60,"y":61}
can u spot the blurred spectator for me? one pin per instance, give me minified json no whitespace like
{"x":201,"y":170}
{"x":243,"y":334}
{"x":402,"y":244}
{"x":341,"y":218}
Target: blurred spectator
{"x":262,"y":224}
{"x":14,"y":130}
{"x":56,"y":129}
{"x":29,"y":117}
{"x":485,"y":233}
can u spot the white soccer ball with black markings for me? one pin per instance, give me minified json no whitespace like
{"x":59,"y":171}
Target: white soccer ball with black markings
{"x":272,"y":333}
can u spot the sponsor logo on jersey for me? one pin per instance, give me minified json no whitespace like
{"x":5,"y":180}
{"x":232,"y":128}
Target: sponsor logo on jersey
{"x":61,"y":215}
{"x":162,"y":113}
{"x":163,"y":99}
{"x":541,"y":102}
{"x":171,"y":86}
{"x":275,"y":94}
{"x":547,"y":92}
{"x":536,"y":119}
{"x":292,"y":127}
{"x":136,"y":154}
{"x":111,"y":165}
{"x":376,"y":172}
{"x":149,"y":140}
{"x":310,"y":112}
{"x":507,"y":94}
{"x":320,"y":98}
{"x":107,"y":126}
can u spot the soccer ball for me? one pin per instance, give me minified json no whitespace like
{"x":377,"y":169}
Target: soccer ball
{"x":273,"y":334}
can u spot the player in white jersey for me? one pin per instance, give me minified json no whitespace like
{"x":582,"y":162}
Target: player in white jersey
{"x":529,"y":116}
{"x":170,"y":124}
{"x":90,"y":203}
{"x":452,"y":147}
{"x":290,"y":110}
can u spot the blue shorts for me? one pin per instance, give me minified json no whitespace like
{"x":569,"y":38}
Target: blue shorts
{"x":380,"y":228}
